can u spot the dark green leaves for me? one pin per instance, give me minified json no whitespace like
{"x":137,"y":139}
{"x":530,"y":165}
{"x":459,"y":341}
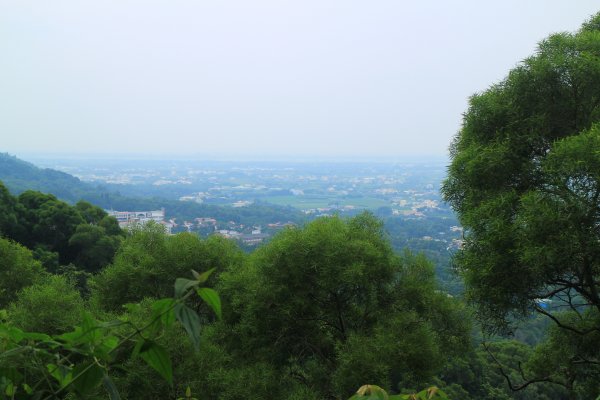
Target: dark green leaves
{"x":182,"y":285}
{"x":86,"y":377}
{"x":162,"y":310}
{"x":111,"y":389}
{"x":158,"y":358}
{"x":190,"y":321}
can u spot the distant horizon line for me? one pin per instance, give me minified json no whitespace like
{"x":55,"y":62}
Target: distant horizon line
{"x":228,"y":157}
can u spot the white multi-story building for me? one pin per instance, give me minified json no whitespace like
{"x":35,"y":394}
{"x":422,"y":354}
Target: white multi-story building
{"x":127,"y":218}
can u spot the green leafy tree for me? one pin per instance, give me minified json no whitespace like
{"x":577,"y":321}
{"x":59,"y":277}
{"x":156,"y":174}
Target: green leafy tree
{"x":60,"y":234}
{"x":8,"y":214}
{"x":18,"y":269}
{"x":149,"y":260}
{"x":93,"y":247}
{"x":525,"y":181}
{"x":51,"y":306}
{"x":90,"y":213}
{"x":331,"y":305}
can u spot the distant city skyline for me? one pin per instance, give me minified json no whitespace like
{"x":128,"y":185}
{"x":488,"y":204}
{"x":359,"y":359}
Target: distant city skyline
{"x":343,"y":80}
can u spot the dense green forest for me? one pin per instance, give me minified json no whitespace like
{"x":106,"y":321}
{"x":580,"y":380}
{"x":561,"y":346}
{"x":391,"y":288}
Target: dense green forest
{"x":89,"y":311}
{"x":313,"y":314}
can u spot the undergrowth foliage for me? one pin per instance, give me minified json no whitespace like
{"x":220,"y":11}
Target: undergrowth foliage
{"x":80,"y":362}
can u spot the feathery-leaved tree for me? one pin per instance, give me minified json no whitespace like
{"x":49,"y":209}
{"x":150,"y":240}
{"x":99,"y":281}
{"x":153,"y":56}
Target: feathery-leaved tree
{"x":524,"y":179}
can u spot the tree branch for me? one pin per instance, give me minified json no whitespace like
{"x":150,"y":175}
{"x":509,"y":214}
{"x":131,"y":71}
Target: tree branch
{"x":523,"y":385}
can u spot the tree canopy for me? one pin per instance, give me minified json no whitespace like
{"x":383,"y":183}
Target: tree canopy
{"x":330,"y":305}
{"x":525,"y":181}
{"x":59,"y":233}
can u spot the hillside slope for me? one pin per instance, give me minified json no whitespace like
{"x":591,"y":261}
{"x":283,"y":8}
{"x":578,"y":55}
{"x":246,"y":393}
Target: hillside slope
{"x":19,"y":176}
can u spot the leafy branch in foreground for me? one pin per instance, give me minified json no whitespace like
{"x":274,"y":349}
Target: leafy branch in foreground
{"x":41,"y":366}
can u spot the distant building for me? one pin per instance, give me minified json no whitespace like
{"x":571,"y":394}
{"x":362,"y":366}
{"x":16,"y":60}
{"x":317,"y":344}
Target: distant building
{"x":206,"y":221}
{"x":168,"y":226}
{"x":279,"y":225}
{"x":127,"y":218}
{"x":254,"y":238}
{"x":229,"y":234}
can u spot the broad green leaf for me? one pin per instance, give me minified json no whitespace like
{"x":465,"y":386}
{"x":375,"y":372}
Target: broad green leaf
{"x":201,"y":278}
{"x":86,"y":377}
{"x":190,"y":321}
{"x":13,"y":334}
{"x":88,"y":332}
{"x":138,"y":347}
{"x":42,"y":337}
{"x":182,"y":285}
{"x":110,"y":343}
{"x":111,"y":389}
{"x":70,"y":337}
{"x":211,"y":297}
{"x":27,"y":388}
{"x":164,"y":309}
{"x":10,"y":390}
{"x":158,"y":358}
{"x":61,"y":373}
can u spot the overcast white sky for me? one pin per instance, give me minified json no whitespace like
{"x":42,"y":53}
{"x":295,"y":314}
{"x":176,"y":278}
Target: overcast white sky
{"x":257,"y":77}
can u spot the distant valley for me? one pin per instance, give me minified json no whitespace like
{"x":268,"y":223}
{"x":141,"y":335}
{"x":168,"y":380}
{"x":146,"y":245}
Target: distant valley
{"x":243,"y":198}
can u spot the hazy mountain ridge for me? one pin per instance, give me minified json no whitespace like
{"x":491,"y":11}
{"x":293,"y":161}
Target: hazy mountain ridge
{"x":19,"y":175}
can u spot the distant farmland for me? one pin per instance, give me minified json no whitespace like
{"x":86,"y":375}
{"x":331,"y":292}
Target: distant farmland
{"x":317,"y":201}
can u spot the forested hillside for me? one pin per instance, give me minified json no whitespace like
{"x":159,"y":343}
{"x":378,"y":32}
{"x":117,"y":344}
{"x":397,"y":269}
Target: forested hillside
{"x":19,"y":176}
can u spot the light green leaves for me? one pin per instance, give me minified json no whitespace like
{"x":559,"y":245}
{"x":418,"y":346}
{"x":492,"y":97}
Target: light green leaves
{"x":201,"y":278}
{"x":374,"y":392}
{"x":61,"y":373}
{"x":211,"y":297}
{"x":370,"y":392}
{"x":79,"y":361}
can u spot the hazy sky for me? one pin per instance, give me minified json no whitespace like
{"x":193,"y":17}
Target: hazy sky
{"x":252,"y":77}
